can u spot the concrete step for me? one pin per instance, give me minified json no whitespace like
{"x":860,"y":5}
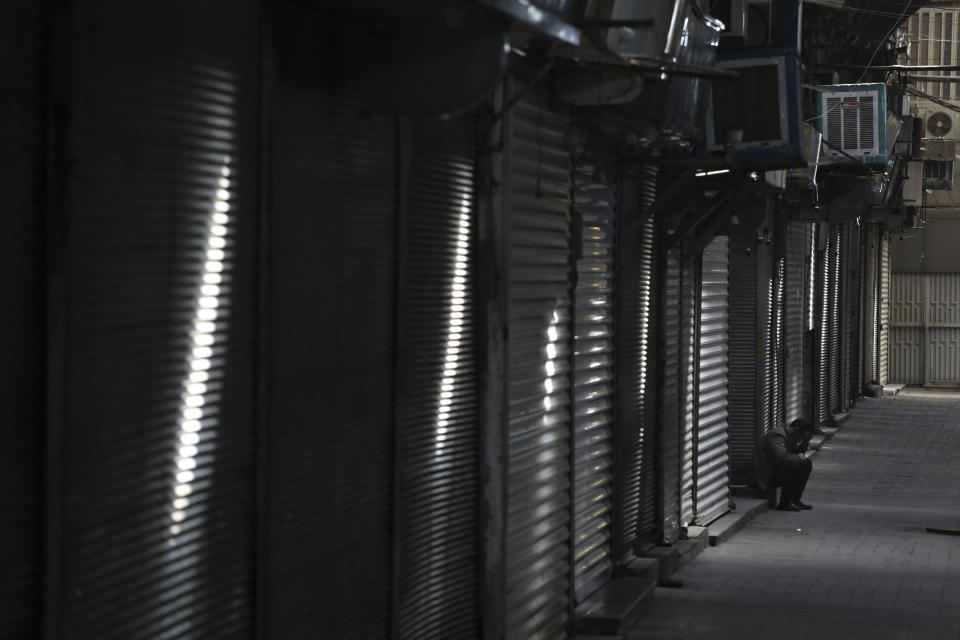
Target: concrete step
{"x":728,"y":524}
{"x":616,"y":607}
{"x":648,"y":568}
{"x":697,"y":540}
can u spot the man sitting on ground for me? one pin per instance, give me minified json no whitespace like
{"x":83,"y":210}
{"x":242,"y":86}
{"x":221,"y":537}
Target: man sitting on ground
{"x":783,"y":463}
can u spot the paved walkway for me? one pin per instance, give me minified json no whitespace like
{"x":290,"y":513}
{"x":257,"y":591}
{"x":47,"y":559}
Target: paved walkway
{"x":861,"y":563}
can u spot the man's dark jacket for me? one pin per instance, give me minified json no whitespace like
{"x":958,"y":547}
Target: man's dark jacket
{"x":775,"y":447}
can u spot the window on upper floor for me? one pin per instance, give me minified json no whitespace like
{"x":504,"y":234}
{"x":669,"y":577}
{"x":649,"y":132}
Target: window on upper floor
{"x":938,"y":174}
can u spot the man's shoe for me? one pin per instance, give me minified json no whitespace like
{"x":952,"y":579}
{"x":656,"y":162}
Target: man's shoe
{"x":789,"y":507}
{"x":802,"y":505}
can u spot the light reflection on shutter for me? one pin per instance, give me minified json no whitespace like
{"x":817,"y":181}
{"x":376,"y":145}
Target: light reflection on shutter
{"x":779,"y":285}
{"x":688,"y":376}
{"x":834,"y":344}
{"x":765,"y":310}
{"x":713,"y":471}
{"x":437,"y":416}
{"x":648,"y":358}
{"x":636,"y":322}
{"x":795,"y":295}
{"x":538,"y":520}
{"x":672,"y":428}
{"x":159,"y":303}
{"x":593,"y":379}
{"x":883,"y":347}
{"x":823,"y":327}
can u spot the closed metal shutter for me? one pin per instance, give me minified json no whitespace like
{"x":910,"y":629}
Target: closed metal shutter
{"x":743,"y":357}
{"x":538,"y":520}
{"x":689,"y":347}
{"x":883,"y":349}
{"x":22,"y":351}
{"x":871,"y":273}
{"x":712,"y":460}
{"x":823,"y":330}
{"x":594,"y":201}
{"x":777,"y":340}
{"x":636,"y":406}
{"x":765,"y":342}
{"x":437,"y":442}
{"x":154,"y":367}
{"x":864,"y":294}
{"x":794,"y":306}
{"x":329,"y":457}
{"x":850,"y":260}
{"x":834,"y":327}
{"x":671,"y":430}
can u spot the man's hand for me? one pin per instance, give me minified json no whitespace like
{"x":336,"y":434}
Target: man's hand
{"x":802,"y":456}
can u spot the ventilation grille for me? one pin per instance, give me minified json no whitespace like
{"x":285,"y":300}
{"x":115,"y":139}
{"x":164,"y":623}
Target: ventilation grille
{"x":851,"y":124}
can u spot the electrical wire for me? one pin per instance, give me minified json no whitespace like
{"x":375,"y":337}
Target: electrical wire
{"x":839,"y":6}
{"x":880,"y":44}
{"x":932,"y":98}
{"x":883,"y":41}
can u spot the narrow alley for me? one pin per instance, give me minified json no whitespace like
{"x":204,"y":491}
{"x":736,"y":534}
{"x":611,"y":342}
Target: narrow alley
{"x":467,"y":319}
{"x":861,"y":564}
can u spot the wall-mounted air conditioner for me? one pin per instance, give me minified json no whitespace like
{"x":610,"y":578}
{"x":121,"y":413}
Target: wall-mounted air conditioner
{"x":755,"y":118}
{"x":938,"y":124}
{"x":852,"y":118}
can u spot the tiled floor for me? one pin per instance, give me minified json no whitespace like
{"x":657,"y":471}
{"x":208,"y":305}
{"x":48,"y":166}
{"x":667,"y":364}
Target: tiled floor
{"x":861,"y":563}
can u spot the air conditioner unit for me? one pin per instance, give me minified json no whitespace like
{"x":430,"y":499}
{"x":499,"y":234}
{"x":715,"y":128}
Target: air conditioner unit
{"x":852,"y":118}
{"x":755,"y":118}
{"x":938,"y":124}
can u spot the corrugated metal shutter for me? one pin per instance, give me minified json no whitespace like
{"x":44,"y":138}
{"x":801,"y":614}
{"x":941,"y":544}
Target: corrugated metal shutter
{"x":649,"y":357}
{"x":871,"y":273}
{"x":743,"y":354}
{"x":765,"y":285}
{"x":883,"y":349}
{"x":712,"y":462}
{"x":329,"y":456}
{"x":861,"y":327}
{"x":636,"y":406}
{"x":834,"y":327}
{"x":860,"y":340}
{"x":689,"y":343}
{"x":593,"y":379}
{"x":159,"y":220}
{"x":795,"y":295}
{"x":776,"y":342}
{"x":437,"y":442}
{"x":822,"y":313}
{"x":850,"y":260}
{"x":538,"y":520}
{"x":22,"y":354}
{"x":671,"y":431}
